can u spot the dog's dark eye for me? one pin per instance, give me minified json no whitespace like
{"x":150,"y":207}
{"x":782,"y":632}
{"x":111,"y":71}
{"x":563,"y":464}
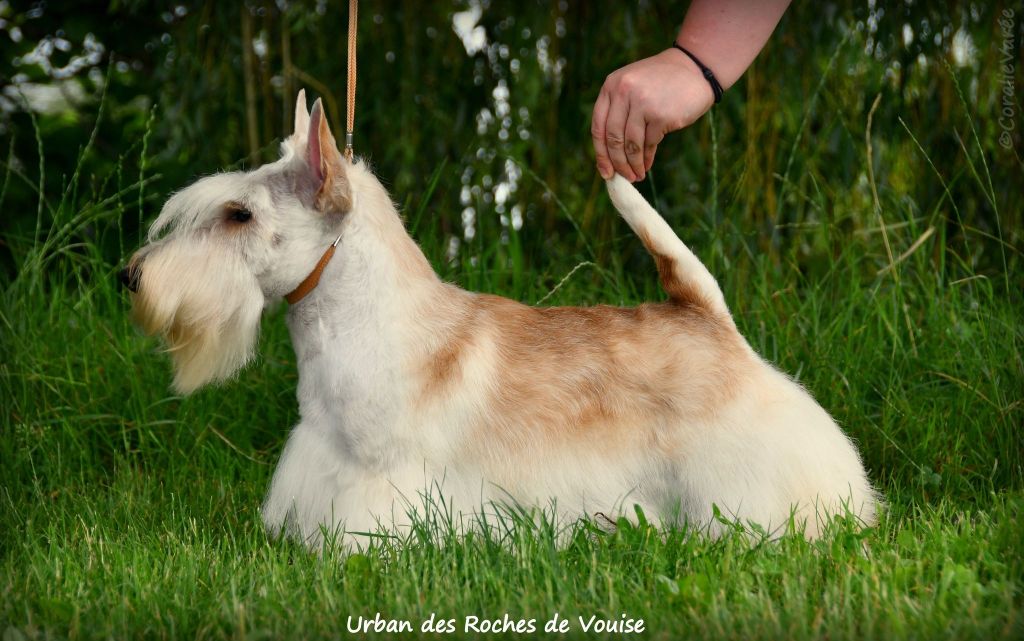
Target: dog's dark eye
{"x":240,"y":215}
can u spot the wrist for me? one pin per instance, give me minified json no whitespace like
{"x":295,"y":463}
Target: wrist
{"x":702,"y":96}
{"x":706,"y":72}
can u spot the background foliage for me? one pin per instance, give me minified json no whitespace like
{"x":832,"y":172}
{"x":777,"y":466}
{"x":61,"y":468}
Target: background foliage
{"x":790,"y":139}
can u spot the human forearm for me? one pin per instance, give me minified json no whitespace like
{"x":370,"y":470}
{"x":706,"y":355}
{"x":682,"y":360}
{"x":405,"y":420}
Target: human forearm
{"x":726,"y":35}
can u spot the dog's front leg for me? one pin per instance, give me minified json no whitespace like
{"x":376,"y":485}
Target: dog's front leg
{"x":301,"y":500}
{"x":318,"y":491}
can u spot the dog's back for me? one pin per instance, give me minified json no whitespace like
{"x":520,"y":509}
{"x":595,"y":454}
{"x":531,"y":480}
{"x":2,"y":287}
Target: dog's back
{"x":663,"y":405}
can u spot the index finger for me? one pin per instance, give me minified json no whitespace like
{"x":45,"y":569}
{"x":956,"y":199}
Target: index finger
{"x":597,"y":132}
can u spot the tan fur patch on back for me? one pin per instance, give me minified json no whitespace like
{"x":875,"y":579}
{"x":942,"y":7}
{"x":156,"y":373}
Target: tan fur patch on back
{"x":623,"y":377}
{"x":444,"y":367}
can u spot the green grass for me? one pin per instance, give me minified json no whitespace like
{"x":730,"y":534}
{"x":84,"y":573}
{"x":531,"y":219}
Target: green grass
{"x":127,"y":511}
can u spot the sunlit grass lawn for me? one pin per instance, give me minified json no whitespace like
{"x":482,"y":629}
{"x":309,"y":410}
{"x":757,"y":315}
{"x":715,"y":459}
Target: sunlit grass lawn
{"x":180,"y":553}
{"x":126,"y":511}
{"x":130,"y":512}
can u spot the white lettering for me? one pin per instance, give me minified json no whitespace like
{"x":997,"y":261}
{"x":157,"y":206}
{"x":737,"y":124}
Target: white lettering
{"x":504,"y":625}
{"x":623,"y":625}
{"x":557,"y":624}
{"x":377,"y":624}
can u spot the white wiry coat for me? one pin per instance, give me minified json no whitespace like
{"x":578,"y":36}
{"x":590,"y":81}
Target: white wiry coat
{"x":409,"y":386}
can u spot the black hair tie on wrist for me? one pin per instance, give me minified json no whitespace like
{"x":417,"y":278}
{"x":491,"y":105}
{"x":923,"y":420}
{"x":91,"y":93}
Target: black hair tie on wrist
{"x":708,"y":74}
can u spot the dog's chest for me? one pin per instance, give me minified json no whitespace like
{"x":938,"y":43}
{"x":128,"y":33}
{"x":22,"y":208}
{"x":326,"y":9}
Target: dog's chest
{"x":348,"y":390}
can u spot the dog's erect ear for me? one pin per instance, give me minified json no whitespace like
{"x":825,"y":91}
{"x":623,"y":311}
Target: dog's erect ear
{"x":326,"y":165}
{"x":301,"y":115}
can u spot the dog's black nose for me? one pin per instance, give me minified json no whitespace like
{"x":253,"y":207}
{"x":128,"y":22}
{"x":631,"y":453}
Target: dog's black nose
{"x":129,"y":277}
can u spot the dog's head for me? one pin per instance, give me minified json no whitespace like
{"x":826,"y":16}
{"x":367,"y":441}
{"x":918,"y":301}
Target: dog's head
{"x":228,"y":244}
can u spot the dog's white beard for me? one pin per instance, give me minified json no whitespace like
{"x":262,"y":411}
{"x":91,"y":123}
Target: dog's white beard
{"x":205,"y":304}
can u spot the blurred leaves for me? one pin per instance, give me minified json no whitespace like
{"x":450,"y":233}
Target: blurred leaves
{"x":524,"y":99}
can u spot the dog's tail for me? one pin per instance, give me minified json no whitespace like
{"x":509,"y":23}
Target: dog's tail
{"x":686,"y":280}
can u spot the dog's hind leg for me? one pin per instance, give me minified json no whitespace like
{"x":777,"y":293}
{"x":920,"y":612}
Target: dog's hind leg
{"x":686,"y":280}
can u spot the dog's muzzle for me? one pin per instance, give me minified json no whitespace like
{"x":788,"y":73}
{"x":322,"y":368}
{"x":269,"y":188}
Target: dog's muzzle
{"x":129,"y":277}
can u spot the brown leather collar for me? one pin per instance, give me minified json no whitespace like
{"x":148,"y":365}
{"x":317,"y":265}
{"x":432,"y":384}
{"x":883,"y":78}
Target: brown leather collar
{"x":311,"y":281}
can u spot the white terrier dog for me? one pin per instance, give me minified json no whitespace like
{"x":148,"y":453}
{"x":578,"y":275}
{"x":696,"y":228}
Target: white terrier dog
{"x":409,"y":385}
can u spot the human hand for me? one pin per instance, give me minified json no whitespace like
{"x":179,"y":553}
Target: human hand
{"x":639,"y":104}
